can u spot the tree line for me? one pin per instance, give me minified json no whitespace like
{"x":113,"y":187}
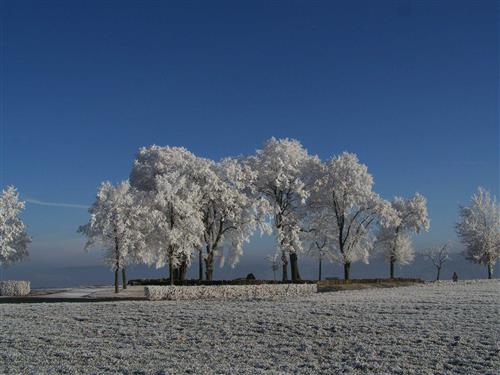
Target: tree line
{"x":176,"y":206}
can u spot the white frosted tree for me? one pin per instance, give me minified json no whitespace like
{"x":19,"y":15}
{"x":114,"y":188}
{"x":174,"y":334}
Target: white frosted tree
{"x":150,"y":164}
{"x":283,"y":181}
{"x":14,"y":240}
{"x":394,"y":241}
{"x":228,"y":212}
{"x":479,"y":229}
{"x":344,"y":200}
{"x":174,"y":222}
{"x":155,"y":161}
{"x":116,"y":226}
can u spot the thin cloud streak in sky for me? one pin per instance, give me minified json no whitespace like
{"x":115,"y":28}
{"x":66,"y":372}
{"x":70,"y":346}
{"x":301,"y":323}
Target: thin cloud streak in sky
{"x":55,"y":204}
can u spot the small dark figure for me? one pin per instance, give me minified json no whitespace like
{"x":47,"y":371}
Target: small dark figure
{"x":455,"y":277}
{"x":250,"y":276}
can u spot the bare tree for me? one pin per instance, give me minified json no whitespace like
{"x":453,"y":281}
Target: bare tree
{"x":273,"y":259}
{"x":438,"y":256}
{"x":318,"y":250}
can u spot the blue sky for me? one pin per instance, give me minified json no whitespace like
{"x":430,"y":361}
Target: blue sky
{"x":410,"y":86}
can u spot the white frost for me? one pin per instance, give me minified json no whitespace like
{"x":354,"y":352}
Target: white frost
{"x":439,"y":328}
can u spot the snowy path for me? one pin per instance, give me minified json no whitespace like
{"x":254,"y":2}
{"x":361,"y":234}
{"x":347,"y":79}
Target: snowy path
{"x":78,"y":294}
{"x":425,"y":329}
{"x":73,"y":293}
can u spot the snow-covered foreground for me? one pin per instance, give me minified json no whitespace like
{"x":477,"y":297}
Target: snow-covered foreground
{"x":423,"y":329}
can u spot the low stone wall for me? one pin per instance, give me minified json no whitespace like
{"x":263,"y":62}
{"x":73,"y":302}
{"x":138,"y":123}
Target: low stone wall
{"x":228,"y":292}
{"x":14,"y":288}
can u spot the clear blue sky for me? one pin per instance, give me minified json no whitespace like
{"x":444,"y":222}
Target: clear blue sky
{"x":412,"y":87}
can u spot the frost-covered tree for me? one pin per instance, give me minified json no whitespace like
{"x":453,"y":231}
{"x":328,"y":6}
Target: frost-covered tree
{"x":438,"y":256}
{"x":394,"y":242}
{"x":228,"y":212}
{"x":174,"y":222}
{"x":116,"y":226}
{"x":175,"y":165}
{"x":154,"y":161}
{"x":230,"y":215}
{"x":344,"y":200}
{"x":14,"y":240}
{"x":283,"y":180}
{"x":479,"y":229}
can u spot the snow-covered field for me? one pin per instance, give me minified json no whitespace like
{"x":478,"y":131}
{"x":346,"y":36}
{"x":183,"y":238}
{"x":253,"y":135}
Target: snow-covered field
{"x":425,"y":329}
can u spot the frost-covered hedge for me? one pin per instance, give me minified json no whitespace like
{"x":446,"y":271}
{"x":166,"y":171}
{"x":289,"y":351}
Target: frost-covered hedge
{"x":14,"y":288}
{"x":155,"y":293}
{"x":191,"y":282}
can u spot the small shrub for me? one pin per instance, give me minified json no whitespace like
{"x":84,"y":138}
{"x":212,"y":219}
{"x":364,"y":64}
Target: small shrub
{"x":14,"y":288}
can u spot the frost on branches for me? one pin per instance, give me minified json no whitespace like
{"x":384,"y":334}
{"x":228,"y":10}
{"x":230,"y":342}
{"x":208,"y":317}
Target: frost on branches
{"x":115,"y":225}
{"x":13,"y":237}
{"x":283,"y":182}
{"x":479,"y":229}
{"x":343,"y":198}
{"x":174,"y":221}
{"x":394,"y":242}
{"x":230,"y":215}
{"x":172,"y":201}
{"x":217,"y":194}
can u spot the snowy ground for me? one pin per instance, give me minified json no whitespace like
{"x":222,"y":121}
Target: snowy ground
{"x":424,"y":329}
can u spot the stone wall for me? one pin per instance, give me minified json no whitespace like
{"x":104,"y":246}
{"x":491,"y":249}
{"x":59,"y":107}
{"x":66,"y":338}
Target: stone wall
{"x":228,"y":292}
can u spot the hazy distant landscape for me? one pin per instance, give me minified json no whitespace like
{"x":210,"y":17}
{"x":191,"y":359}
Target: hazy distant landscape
{"x":46,"y":276}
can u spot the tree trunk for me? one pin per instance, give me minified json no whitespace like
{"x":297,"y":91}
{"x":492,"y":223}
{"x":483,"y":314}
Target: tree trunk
{"x":297,"y":269}
{"x":284,"y":261}
{"x":319,"y":271}
{"x":209,"y":267}
{"x":200,"y":265}
{"x":438,"y":273}
{"x":347,"y":270}
{"x":294,"y":267}
{"x":391,"y":261}
{"x":116,"y":280}
{"x":171,"y":268}
{"x":117,"y":262}
{"x":183,"y":271}
{"x":124,"y":278}
{"x":490,"y":271}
